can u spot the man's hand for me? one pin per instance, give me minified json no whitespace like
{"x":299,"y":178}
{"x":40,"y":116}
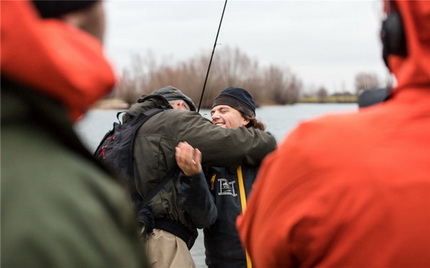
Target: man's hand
{"x":188,"y":159}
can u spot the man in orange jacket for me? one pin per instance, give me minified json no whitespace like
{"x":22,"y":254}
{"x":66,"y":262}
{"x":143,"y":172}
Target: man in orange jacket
{"x":353,"y":190}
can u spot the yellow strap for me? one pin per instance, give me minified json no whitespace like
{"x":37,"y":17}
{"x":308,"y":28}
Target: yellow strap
{"x":241,"y":188}
{"x":213,"y":182}
{"x":243,"y":203}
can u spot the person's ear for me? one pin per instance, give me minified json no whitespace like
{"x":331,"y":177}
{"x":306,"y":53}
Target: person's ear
{"x":245,"y":122}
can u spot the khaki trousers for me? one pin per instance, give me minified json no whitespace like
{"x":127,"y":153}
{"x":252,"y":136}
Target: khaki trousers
{"x":166,"y":250}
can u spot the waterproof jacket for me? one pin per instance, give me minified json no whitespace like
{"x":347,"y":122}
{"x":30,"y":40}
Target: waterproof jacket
{"x":77,"y":75}
{"x":60,"y":208}
{"x":230,"y":188}
{"x":353,"y":190}
{"x":154,"y":155}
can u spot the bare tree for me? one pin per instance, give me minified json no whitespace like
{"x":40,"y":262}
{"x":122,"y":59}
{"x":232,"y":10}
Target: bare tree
{"x":322,"y":95}
{"x":365,"y":81}
{"x":230,"y":68}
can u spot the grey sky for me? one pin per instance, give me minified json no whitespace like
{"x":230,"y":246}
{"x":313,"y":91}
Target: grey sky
{"x":325,"y":43}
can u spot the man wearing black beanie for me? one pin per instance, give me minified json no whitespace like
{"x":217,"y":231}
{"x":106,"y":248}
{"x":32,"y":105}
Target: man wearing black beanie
{"x":230,"y":186}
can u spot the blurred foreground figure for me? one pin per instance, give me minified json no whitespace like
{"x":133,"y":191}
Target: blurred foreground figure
{"x":60,"y":208}
{"x":354,"y":190}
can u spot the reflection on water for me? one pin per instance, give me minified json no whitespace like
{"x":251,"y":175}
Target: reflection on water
{"x":278,"y":119}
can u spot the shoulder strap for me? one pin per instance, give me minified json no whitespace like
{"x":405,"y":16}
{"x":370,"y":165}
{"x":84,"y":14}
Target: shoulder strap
{"x":159,"y":186}
{"x":168,"y":176}
{"x":118,"y":114}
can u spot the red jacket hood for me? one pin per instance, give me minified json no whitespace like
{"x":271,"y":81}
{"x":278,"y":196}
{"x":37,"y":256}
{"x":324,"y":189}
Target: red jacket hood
{"x":413,"y":70}
{"x":52,"y":57}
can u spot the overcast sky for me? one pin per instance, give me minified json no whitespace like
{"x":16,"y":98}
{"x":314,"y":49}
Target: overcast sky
{"x":325,"y":43}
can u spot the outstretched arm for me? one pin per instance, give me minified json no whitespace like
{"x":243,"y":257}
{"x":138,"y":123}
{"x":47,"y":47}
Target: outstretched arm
{"x":225,"y":146}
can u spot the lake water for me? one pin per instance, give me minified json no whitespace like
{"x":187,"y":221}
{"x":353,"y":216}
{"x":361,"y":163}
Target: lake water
{"x":279,"y":120}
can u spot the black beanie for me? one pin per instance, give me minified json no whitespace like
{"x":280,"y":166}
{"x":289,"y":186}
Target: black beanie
{"x":53,"y":9}
{"x":237,"y":98}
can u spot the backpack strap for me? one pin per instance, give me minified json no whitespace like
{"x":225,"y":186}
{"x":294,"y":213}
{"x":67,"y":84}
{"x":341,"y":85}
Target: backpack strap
{"x":159,"y":186}
{"x":118,"y":114}
{"x":166,"y":179}
{"x":146,"y":217}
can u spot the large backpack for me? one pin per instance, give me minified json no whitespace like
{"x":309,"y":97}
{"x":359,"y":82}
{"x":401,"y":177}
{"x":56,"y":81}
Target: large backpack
{"x":116,"y":151}
{"x":116,"y":147}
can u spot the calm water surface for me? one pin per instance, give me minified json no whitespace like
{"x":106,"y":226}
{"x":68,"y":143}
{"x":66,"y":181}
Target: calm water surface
{"x":279,"y":120}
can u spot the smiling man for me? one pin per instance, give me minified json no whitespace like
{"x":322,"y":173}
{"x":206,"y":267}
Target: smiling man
{"x":230,"y":186}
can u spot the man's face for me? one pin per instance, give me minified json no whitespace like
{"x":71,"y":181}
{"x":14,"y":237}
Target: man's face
{"x":179,"y":105}
{"x":228,"y":117}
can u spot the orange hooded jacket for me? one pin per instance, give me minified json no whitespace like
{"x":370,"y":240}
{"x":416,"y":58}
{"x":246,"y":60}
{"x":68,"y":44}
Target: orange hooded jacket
{"x":352,"y":190}
{"x":53,"y":58}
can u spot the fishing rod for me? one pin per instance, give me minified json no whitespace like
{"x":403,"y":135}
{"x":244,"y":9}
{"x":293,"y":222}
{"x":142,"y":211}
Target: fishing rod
{"x":212,"y":55}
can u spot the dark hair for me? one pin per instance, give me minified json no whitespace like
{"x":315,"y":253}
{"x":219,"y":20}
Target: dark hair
{"x":254,"y":122}
{"x":54,"y":9}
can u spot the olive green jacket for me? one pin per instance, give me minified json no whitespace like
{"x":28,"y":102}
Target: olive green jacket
{"x":154,"y":153}
{"x":59,"y":207}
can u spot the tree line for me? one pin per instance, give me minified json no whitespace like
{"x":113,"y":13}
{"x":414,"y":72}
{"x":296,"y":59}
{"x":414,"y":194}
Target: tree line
{"x":230,"y":67}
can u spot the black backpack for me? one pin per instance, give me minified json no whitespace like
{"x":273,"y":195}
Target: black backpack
{"x":116,"y":151}
{"x":116,"y":147}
